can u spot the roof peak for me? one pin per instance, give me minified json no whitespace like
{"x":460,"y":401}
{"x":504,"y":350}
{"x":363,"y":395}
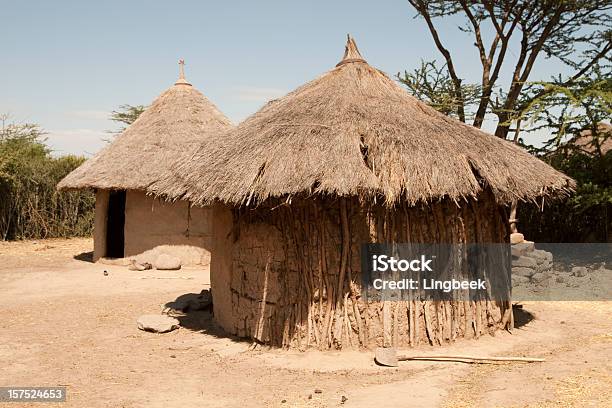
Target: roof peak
{"x":181,"y":79}
{"x":351,"y":52}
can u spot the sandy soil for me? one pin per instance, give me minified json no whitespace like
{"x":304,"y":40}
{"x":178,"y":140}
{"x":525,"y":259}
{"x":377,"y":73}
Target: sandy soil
{"x":62,"y":322}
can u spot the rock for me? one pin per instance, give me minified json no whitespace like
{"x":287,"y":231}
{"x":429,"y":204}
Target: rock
{"x":522,"y":271}
{"x":580,"y":271}
{"x":540,"y":277}
{"x":202,"y":302}
{"x":176,"y":307}
{"x":522,"y":248}
{"x":524,"y":262}
{"x":544,"y":267}
{"x":157,"y":323}
{"x":540,"y":255}
{"x":136,"y":266}
{"x":190,"y":302}
{"x":518,"y":279}
{"x":560,"y":279}
{"x":516,"y":238}
{"x":166,"y":262}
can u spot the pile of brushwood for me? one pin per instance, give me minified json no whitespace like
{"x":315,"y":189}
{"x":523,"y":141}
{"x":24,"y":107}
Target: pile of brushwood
{"x":30,"y":205}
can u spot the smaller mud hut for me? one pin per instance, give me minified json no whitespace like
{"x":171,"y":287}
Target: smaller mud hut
{"x":127,"y":221}
{"x":346,"y":159}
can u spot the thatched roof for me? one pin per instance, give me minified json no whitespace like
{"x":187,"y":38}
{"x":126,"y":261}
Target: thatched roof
{"x":586,"y":143}
{"x":178,"y":121}
{"x":354,"y":131}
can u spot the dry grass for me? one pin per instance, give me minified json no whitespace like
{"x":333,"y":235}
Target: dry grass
{"x":178,"y":121}
{"x":354,"y":131}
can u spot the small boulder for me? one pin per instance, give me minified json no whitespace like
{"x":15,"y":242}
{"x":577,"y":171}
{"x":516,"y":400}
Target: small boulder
{"x":524,"y":262}
{"x":157,"y":323}
{"x":136,"y":266}
{"x":516,"y":238}
{"x":540,"y":255}
{"x":202,"y":302}
{"x":166,"y":262}
{"x":580,"y":271}
{"x":522,"y":248}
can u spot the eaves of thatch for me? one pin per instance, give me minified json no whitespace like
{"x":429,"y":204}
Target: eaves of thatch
{"x":355,"y":132}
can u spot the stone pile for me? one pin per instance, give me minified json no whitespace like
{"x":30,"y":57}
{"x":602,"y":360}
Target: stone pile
{"x":529,"y":265}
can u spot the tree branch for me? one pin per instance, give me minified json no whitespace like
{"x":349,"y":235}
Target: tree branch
{"x":421,"y":7}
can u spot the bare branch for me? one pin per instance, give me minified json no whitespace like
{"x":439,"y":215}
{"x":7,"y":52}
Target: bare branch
{"x":421,"y":7}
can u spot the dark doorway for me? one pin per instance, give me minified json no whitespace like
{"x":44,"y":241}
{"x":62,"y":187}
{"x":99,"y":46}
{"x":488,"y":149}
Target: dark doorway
{"x":115,"y":221}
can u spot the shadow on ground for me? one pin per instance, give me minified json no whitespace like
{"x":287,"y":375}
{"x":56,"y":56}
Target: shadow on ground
{"x":84,"y":256}
{"x":194,"y":311}
{"x":521,"y":316}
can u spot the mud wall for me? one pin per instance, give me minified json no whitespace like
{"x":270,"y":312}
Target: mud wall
{"x":221,"y":266}
{"x":174,"y":228}
{"x":295,"y":274}
{"x":99,"y":231}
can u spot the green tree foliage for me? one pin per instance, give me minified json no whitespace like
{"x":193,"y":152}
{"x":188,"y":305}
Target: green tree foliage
{"x":126,"y":115}
{"x":30,"y":205}
{"x":580,"y":147}
{"x":434,"y":86}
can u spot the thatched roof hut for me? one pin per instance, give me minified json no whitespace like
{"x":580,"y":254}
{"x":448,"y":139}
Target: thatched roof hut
{"x":345,"y":160}
{"x":178,"y":121}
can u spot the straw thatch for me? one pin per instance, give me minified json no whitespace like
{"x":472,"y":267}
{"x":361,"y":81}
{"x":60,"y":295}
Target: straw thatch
{"x":354,"y":131}
{"x":179,"y":120}
{"x":585,"y":141}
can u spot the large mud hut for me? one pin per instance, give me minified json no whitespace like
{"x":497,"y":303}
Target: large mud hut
{"x":127,"y":221}
{"x":346,"y":159}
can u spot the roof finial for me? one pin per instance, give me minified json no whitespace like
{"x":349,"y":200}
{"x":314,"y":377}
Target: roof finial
{"x":181,"y":80}
{"x":351,"y":52}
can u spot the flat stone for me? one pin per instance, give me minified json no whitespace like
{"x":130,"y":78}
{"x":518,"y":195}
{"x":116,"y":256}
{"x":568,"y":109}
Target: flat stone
{"x":166,"y":262}
{"x":516,"y":238}
{"x":521,"y":271}
{"x":522,"y":248}
{"x":157,"y":323}
{"x":580,"y":271}
{"x":524,"y":262}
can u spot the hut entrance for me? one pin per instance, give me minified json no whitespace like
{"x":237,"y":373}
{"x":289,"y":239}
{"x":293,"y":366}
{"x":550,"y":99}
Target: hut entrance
{"x":115,"y":222}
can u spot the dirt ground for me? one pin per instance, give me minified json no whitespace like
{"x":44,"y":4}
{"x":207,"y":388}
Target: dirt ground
{"x":63,"y":322}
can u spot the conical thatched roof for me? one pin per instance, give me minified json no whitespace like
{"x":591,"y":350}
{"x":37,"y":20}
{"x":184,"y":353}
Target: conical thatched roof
{"x":179,"y":120}
{"x":354,"y":131}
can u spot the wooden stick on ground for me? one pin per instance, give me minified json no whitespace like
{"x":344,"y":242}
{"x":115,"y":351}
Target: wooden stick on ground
{"x":472,"y":358}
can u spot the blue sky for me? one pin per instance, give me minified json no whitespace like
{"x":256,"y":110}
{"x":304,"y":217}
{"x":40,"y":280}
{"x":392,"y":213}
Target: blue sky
{"x":67,"y":64}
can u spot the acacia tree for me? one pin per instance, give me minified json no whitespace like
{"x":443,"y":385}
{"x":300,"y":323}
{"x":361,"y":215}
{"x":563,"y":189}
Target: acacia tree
{"x":576,"y":32}
{"x":581,"y":147}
